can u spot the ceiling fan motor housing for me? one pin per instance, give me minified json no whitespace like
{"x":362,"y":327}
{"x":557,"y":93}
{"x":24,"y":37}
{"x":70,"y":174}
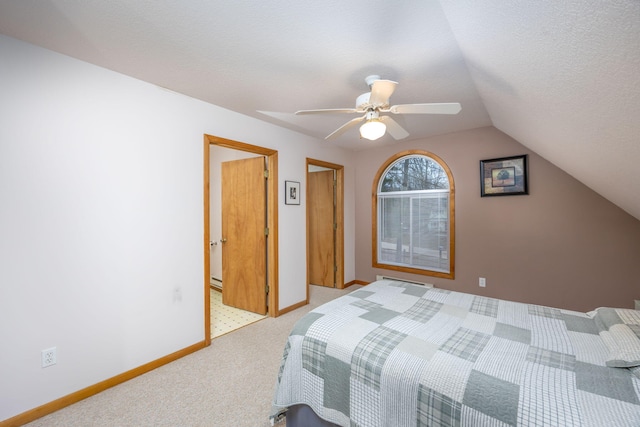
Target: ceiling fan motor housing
{"x":363,"y":101}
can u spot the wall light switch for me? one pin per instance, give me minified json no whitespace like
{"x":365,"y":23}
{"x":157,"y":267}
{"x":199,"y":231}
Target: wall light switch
{"x":482,"y":282}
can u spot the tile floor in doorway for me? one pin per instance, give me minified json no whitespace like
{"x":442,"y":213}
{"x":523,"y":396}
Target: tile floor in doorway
{"x":225,"y":319}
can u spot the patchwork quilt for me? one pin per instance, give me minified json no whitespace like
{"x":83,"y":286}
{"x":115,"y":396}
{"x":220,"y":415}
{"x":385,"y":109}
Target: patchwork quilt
{"x":400,"y":354}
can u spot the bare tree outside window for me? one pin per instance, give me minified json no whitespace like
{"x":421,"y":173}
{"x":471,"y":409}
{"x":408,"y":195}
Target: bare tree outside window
{"x":415,"y":173}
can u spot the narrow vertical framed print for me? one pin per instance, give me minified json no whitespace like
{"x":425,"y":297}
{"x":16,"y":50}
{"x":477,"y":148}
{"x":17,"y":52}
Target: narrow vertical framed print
{"x":291,"y":192}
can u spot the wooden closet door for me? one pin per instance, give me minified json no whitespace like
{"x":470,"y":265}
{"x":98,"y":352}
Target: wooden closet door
{"x":321,"y":200}
{"x":244,"y":247}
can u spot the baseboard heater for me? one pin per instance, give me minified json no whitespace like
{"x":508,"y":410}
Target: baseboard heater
{"x":215,"y":282}
{"x":381,"y":277}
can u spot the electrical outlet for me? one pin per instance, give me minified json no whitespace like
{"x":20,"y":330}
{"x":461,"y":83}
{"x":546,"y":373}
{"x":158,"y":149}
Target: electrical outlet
{"x":482,"y":282}
{"x":49,"y":357}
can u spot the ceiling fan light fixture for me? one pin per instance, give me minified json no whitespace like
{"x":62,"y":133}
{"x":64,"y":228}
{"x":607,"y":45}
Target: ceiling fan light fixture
{"x":376,"y":101}
{"x":372,"y":129}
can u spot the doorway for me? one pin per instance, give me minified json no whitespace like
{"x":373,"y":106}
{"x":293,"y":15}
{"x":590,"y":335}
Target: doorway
{"x":325,"y":224}
{"x":271,"y":230}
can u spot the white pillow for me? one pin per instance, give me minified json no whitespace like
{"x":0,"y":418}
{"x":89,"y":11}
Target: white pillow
{"x":619,"y":329}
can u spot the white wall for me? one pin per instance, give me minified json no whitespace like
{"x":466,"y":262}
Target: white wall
{"x":101,"y":220}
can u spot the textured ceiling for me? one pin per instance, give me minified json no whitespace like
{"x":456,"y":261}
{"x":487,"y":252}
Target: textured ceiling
{"x":562,"y":78}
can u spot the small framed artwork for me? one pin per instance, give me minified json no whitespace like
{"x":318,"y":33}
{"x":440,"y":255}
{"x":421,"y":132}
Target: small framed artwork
{"x":506,"y":176}
{"x":291,"y":193}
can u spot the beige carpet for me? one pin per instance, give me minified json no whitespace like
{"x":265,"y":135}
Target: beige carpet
{"x":229,"y":383}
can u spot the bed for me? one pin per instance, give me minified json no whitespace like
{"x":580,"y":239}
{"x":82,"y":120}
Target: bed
{"x":400,"y":354}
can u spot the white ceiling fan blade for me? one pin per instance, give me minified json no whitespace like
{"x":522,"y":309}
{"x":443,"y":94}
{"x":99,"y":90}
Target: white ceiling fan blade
{"x":328,"y":111}
{"x":381,"y":91}
{"x":345,"y":127}
{"x":435,"y":108}
{"x":394,"y":129}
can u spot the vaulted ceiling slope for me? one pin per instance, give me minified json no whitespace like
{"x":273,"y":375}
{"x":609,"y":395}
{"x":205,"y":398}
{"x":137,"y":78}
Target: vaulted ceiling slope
{"x":561,"y":77}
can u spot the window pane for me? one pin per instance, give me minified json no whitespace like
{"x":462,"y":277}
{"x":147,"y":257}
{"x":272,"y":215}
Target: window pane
{"x":414,"y":230}
{"x":395,"y":235}
{"x":430,"y":234}
{"x":414,"y":173}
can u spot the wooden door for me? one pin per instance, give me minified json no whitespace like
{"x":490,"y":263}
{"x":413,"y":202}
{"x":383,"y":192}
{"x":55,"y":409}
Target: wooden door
{"x":244,"y":249}
{"x":321,"y":228}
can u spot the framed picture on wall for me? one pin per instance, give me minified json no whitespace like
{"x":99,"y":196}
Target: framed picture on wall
{"x":291,"y":193}
{"x":506,"y":176}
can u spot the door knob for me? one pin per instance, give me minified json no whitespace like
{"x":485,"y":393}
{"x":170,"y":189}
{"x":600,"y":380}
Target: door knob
{"x":223,"y":240}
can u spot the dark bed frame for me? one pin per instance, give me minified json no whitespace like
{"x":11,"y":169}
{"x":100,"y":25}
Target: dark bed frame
{"x":303,"y":416}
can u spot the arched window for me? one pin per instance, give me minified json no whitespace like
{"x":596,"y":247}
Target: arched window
{"x":413,"y":215}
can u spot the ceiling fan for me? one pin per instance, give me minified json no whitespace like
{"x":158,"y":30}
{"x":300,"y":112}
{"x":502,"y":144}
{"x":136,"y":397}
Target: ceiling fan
{"x":375,"y":103}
